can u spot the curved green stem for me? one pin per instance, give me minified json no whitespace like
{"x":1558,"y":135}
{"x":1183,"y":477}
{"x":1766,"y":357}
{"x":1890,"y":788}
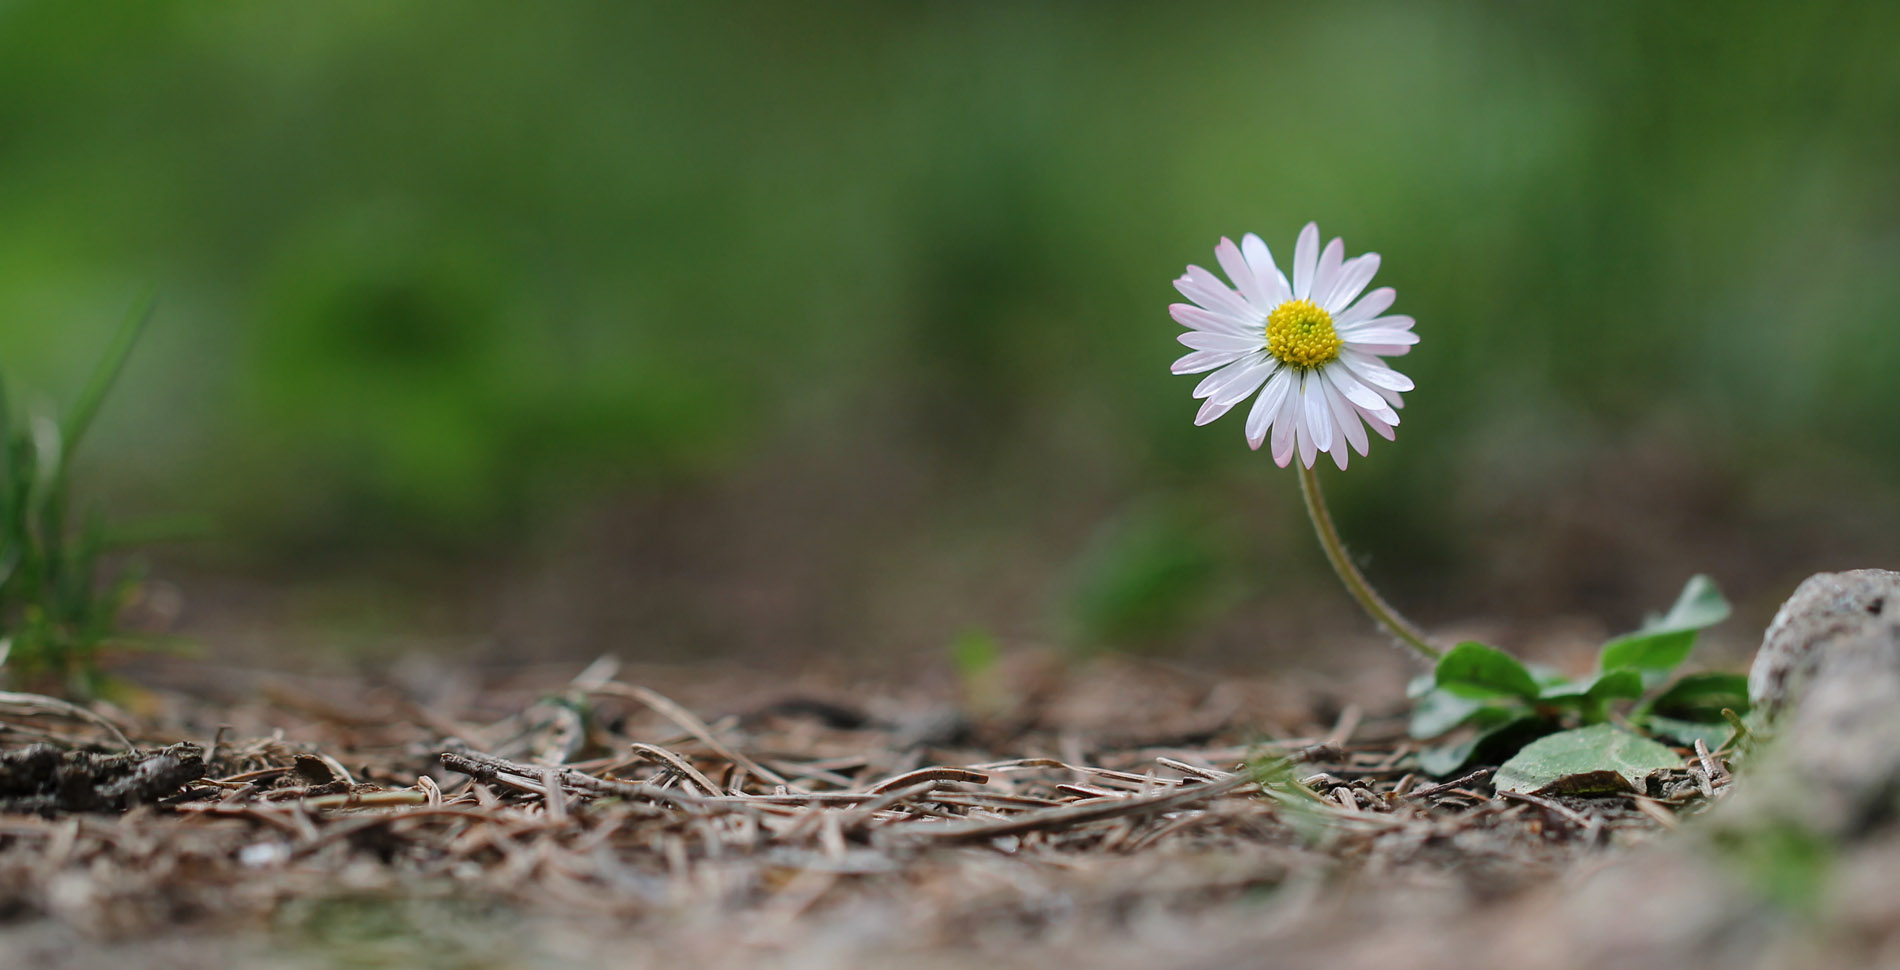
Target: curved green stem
{"x":1349,"y":574}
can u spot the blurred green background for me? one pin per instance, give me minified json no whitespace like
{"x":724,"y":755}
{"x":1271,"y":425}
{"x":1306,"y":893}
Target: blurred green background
{"x":684,"y":330}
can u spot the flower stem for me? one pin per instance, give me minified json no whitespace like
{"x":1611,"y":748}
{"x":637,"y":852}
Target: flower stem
{"x":1356,"y":583}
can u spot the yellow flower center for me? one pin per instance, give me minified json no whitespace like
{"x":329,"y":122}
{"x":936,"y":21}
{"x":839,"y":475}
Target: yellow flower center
{"x":1301,"y":333}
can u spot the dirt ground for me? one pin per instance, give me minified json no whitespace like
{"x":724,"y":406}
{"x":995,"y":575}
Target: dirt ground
{"x":1121,"y":813}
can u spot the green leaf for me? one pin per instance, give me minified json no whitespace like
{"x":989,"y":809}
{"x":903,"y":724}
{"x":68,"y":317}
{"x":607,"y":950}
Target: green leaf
{"x":1652,"y":655}
{"x":1692,"y":708}
{"x":1489,"y":744}
{"x":1441,"y":709}
{"x":1664,"y":642}
{"x":1474,"y":665}
{"x":1699,"y":607}
{"x":1715,"y":734}
{"x":1596,"y":758}
{"x":1701,"y":697}
{"x":1546,"y":675}
{"x":1443,"y":759}
{"x":1624,"y":683}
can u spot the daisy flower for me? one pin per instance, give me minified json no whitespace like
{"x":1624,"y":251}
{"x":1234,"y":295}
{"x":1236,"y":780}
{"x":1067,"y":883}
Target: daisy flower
{"x":1308,"y":353}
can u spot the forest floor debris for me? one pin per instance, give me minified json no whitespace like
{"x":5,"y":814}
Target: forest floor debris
{"x":788,"y":825}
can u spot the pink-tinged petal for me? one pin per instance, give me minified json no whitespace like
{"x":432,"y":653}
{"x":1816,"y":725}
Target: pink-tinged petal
{"x":1391,"y":398}
{"x":1207,"y":289}
{"x":1378,"y":424}
{"x":1379,"y":407}
{"x":1203,"y":360}
{"x":1350,"y":387}
{"x":1346,"y":419}
{"x":1236,"y":268}
{"x":1382,"y":350}
{"x":1340,"y":452}
{"x":1202,"y":340}
{"x":1330,"y":260}
{"x":1319,"y":420}
{"x":1286,"y":425}
{"x":1188,"y":315}
{"x":1304,"y":435}
{"x":1266,"y":406}
{"x":1387,"y":338}
{"x":1237,"y":380}
{"x":1245,"y":384}
{"x":1272,"y":281}
{"x":1305,"y":259}
{"x":1214,"y":381}
{"x":1209,"y":411}
{"x":1375,"y":303}
{"x":1353,"y":277}
{"x":1373,"y":371}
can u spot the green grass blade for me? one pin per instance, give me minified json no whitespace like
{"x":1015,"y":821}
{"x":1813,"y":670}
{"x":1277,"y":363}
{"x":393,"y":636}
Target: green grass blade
{"x":87,"y":407}
{"x":54,"y":612}
{"x":45,"y":512}
{"x":12,"y":495}
{"x":74,"y":600}
{"x":6,"y":455}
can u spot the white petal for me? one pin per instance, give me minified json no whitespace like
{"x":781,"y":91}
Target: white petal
{"x":1202,"y":340}
{"x":1304,"y":435}
{"x":1285,"y":424}
{"x":1305,"y":257}
{"x":1237,"y":270}
{"x":1243,"y":386}
{"x":1350,"y":387}
{"x":1373,"y":371}
{"x":1220,"y":377}
{"x":1204,"y":360}
{"x":1396,"y":321}
{"x":1188,"y":315}
{"x":1226,"y":299}
{"x":1346,"y":419}
{"x":1272,"y":281}
{"x":1239,"y":379}
{"x":1209,"y":411}
{"x":1383,"y":428}
{"x":1375,"y":303}
{"x":1353,"y":277}
{"x":1329,"y":262}
{"x":1319,"y":419}
{"x":1207,"y":289}
{"x":1386,"y":338}
{"x":1382,"y":412}
{"x":1267,"y":405}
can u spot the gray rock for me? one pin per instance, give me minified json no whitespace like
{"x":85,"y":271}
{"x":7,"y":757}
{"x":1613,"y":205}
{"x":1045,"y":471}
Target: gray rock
{"x":1826,"y":685}
{"x":1826,"y":610}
